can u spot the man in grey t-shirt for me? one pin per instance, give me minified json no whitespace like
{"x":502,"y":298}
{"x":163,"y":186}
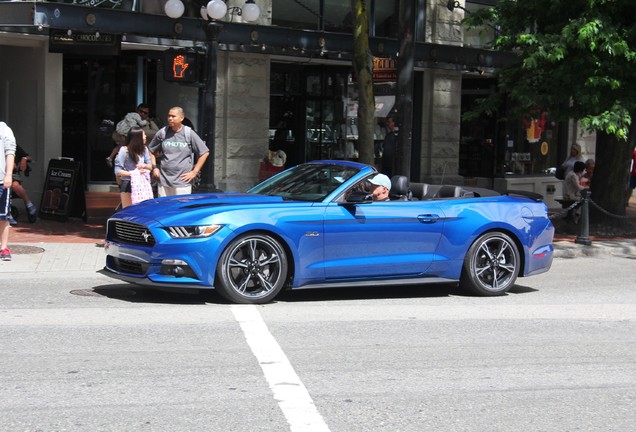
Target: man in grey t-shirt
{"x":176,"y":147}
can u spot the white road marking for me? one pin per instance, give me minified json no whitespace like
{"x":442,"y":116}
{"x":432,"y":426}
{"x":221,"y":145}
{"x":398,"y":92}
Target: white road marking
{"x":290,"y":393}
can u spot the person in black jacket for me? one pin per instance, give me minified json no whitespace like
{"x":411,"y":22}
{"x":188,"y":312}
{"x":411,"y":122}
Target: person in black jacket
{"x":389,"y":147}
{"x":21,"y":167}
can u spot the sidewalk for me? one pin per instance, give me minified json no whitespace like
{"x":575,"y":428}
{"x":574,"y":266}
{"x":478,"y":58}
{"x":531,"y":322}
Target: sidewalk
{"x":51,"y":247}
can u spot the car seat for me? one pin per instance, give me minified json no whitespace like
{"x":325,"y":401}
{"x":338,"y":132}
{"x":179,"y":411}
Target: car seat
{"x":400,"y":189}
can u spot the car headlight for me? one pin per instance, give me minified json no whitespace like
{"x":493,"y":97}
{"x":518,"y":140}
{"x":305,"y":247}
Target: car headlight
{"x":192,"y":231}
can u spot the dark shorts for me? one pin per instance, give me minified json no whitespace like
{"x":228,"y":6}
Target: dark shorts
{"x":125,"y":185}
{"x":5,"y":203}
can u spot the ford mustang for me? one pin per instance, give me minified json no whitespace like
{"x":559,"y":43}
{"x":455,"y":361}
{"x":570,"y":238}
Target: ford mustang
{"x":316,"y":225}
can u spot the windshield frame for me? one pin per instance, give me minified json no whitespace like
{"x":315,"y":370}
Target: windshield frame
{"x":310,"y":182}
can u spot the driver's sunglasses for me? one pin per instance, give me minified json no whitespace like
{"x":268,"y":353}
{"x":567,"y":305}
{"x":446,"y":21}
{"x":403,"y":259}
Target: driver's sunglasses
{"x":144,"y":112}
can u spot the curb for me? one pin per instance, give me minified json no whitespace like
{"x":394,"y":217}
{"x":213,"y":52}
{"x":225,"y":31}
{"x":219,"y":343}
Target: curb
{"x":569,"y":249}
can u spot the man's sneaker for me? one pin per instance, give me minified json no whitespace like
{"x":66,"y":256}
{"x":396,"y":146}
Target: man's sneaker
{"x":5,"y":255}
{"x":32,"y":213}
{"x":12,"y":221}
{"x":109,"y":162}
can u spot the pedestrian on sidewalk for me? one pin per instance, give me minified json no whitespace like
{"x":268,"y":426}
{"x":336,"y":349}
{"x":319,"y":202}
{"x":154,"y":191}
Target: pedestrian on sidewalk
{"x":7,"y":149}
{"x":575,"y":156}
{"x":139,"y":118}
{"x":22,"y":159}
{"x":177,"y":147}
{"x":632,"y":179}
{"x":133,"y":159}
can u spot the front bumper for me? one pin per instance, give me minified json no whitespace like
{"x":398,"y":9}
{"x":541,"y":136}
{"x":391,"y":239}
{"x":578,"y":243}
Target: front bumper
{"x":160,"y":260}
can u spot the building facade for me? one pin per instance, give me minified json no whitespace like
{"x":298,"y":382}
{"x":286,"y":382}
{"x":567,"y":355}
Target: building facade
{"x":283,"y":82}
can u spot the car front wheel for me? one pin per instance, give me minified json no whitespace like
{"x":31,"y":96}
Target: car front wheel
{"x":252,"y":269}
{"x":491,"y":265}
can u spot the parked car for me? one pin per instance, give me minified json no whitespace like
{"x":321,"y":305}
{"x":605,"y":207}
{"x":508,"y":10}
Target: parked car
{"x":315,"y":225}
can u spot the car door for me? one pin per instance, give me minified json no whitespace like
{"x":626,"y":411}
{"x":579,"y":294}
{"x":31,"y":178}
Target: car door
{"x":381,"y":239}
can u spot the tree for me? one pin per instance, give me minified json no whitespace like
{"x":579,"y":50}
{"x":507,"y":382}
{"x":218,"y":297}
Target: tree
{"x":577,"y":58}
{"x":363,"y":69}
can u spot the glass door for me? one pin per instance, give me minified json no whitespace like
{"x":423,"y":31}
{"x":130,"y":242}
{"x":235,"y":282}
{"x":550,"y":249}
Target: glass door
{"x":325,"y":116}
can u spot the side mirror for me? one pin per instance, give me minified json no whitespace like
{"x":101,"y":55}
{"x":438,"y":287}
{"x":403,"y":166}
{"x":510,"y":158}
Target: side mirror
{"x":359,"y":198}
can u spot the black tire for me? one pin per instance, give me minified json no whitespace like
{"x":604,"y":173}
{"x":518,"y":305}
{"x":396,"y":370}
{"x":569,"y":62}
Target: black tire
{"x":252,"y":269}
{"x":491,"y":265}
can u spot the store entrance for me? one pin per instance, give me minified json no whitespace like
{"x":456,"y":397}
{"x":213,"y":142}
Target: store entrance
{"x":97,"y":93}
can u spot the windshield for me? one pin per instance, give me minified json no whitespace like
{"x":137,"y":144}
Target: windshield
{"x":311,"y":182}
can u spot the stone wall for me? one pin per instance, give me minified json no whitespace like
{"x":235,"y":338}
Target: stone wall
{"x":441,"y":102}
{"x":242,"y":123}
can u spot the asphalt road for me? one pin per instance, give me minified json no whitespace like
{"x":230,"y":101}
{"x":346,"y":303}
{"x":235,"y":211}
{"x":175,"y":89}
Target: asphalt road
{"x":82,"y":353}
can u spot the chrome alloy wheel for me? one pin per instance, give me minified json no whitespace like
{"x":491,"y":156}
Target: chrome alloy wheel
{"x":492,"y":264}
{"x":252,"y":269}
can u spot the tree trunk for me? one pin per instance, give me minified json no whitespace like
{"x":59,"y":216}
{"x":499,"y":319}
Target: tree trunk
{"x":363,"y":69}
{"x":611,"y":178}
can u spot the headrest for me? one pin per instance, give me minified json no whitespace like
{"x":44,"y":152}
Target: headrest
{"x":448,"y":191}
{"x":399,"y":185}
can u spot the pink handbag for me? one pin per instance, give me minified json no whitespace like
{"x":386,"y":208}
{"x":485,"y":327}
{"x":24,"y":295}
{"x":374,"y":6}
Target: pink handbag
{"x":141,"y":189}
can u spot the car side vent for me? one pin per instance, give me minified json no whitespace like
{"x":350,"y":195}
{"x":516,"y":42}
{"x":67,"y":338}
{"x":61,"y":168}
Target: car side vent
{"x":129,"y":232}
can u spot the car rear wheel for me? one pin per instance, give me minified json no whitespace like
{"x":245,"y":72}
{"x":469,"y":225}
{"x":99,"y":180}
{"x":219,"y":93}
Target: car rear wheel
{"x":491,"y":265}
{"x":252,"y":269}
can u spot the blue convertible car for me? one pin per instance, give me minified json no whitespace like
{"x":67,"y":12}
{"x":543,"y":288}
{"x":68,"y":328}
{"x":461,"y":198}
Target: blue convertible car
{"x":315,"y":225}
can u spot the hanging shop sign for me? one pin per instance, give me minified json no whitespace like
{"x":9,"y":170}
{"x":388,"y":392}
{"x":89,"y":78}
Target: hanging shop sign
{"x":384,"y":69}
{"x":89,"y":44}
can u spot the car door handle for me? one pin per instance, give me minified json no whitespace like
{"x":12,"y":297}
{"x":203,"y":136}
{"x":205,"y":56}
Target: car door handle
{"x":428,"y":218}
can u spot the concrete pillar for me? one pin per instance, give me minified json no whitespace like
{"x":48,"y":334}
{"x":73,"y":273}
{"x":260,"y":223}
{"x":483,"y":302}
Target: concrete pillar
{"x":242,"y":126}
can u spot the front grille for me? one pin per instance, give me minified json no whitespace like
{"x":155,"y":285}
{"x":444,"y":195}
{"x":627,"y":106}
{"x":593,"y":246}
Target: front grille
{"x":129,"y":232}
{"x":126,"y":266}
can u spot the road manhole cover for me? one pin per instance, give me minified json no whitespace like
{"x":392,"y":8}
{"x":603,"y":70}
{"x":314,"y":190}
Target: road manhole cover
{"x":25,"y":250}
{"x":100,"y":292}
{"x":86,"y":293}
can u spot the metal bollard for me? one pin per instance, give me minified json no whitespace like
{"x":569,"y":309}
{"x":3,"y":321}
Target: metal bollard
{"x":584,"y":233}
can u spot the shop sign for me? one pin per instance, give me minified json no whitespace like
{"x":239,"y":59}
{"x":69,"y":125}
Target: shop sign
{"x":89,"y":44}
{"x":108,"y":4}
{"x":384,"y":69}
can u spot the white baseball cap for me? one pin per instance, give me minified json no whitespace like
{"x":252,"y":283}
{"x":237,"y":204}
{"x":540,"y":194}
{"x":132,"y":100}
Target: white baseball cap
{"x":381,"y":180}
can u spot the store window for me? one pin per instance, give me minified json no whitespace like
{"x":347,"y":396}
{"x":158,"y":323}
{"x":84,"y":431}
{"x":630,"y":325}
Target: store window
{"x":386,"y":19}
{"x":335,"y":16}
{"x":314,"y":110}
{"x":493,"y":147}
{"x":531,"y":145}
{"x":300,"y":14}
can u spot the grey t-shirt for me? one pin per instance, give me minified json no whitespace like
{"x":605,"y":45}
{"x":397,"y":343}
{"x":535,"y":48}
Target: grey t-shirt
{"x":177,"y":155}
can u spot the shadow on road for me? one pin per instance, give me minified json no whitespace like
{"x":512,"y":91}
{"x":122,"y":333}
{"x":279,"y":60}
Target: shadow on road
{"x":138,"y":294}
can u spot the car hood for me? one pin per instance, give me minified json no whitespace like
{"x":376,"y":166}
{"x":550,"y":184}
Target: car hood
{"x":195,"y":207}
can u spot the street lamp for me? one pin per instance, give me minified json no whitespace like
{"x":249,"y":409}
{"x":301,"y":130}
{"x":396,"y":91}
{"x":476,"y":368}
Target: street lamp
{"x":216,"y":9}
{"x":174,"y":8}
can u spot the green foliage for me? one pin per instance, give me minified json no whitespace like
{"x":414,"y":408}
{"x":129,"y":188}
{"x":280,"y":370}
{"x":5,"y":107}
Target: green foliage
{"x":577,"y":58}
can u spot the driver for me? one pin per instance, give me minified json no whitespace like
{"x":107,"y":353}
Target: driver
{"x":381,"y":187}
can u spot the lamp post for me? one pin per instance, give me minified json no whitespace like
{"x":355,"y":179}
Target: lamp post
{"x":208,"y":112}
{"x":214,"y":12}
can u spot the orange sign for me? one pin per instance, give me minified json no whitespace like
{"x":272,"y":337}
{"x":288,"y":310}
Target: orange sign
{"x":384,"y":69}
{"x":180,"y":66}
